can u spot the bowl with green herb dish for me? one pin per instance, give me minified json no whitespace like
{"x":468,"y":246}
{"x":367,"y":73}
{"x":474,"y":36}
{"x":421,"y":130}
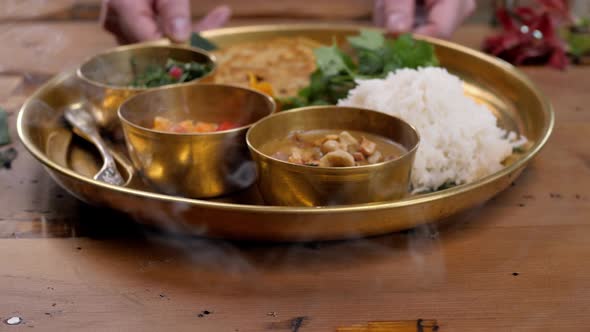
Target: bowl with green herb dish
{"x":111,"y":77}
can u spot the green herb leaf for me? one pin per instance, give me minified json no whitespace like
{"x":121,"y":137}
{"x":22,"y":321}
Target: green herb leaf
{"x":155,"y":75}
{"x":376,"y":57}
{"x":371,"y":63}
{"x":331,"y":60}
{"x":199,"y":42}
{"x":292,"y":102}
{"x":579,"y":44}
{"x":317,"y":85}
{"x":367,"y":40}
{"x":406,"y":52}
{"x":4,"y":134}
{"x":519,"y":149}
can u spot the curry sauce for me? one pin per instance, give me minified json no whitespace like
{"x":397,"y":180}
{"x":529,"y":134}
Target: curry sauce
{"x":333,"y":148}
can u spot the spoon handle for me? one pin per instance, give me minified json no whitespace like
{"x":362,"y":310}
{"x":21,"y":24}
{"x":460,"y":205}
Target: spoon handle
{"x":82,"y":120}
{"x":110,"y":174}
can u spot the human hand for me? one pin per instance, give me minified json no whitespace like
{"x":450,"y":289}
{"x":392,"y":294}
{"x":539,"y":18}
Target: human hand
{"x":442,"y":16}
{"x":141,"y":20}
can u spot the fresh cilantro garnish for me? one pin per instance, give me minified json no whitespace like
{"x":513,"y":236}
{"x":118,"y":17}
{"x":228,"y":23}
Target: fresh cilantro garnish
{"x":374,"y":57}
{"x":406,"y":52}
{"x":368,"y":40}
{"x":332,"y":61}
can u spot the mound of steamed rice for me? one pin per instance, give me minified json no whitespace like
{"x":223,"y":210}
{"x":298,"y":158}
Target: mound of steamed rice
{"x":460,"y":139}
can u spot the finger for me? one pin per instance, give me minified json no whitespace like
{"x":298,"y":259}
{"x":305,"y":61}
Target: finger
{"x":399,"y":15}
{"x":216,"y":18}
{"x":379,"y":13}
{"x":175,"y":17}
{"x":131,"y":21}
{"x":443,"y":17}
{"x":468,"y":8}
{"x":110,"y":22}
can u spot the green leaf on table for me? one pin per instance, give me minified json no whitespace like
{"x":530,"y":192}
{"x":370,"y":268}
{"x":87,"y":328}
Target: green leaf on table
{"x":7,"y":156}
{"x":4,"y":134}
{"x":199,"y":41}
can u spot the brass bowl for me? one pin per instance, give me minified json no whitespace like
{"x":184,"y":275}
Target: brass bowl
{"x":284,"y":183}
{"x":194,"y":165}
{"x":105,"y":77}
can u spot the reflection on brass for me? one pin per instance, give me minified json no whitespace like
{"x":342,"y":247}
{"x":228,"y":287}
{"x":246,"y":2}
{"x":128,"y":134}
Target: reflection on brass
{"x":420,"y":325}
{"x":83,"y":124}
{"x":194,"y":165}
{"x":517,"y":103}
{"x":283,"y":183}
{"x":105,"y":78}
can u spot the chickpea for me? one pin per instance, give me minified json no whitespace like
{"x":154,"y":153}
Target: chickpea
{"x":338,"y":158}
{"x":375,"y":158}
{"x":330,"y":146}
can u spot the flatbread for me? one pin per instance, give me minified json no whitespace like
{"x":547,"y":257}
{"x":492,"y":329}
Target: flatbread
{"x":285,"y":63}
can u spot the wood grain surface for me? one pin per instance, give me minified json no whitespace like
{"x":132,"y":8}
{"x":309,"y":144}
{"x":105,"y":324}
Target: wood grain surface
{"x":90,"y":9}
{"x":27,"y":10}
{"x":518,"y":263}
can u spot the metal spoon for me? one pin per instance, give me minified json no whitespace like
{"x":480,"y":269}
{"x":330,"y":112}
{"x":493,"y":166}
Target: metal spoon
{"x":80,"y":118}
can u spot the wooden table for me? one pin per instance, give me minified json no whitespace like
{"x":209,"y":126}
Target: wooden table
{"x":519,"y":263}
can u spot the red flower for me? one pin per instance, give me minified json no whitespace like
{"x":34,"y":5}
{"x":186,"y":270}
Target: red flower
{"x":559,"y":10}
{"x":529,"y":35}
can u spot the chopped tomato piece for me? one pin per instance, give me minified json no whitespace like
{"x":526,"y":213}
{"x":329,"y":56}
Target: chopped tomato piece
{"x":189,"y":126}
{"x":162,"y":124}
{"x":205,"y":127}
{"x":186,"y":126}
{"x":175,"y":72}
{"x":226,"y":125}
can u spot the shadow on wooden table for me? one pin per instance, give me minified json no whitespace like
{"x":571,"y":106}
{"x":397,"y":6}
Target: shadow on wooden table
{"x":162,"y":257}
{"x":111,"y":241}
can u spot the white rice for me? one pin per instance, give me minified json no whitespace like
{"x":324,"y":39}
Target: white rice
{"x":460,"y":139}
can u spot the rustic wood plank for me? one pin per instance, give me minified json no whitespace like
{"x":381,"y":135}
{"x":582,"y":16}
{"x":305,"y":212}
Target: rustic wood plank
{"x":464,"y":280}
{"x":42,"y":48}
{"x":34,"y":9}
{"x":90,"y":9}
{"x":49,"y":48}
{"x":27,"y":10}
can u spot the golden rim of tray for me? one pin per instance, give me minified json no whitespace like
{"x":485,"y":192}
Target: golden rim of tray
{"x":542,"y":121}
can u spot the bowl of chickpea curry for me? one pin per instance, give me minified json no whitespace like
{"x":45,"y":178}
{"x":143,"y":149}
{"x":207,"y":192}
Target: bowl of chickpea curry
{"x":329,"y":155}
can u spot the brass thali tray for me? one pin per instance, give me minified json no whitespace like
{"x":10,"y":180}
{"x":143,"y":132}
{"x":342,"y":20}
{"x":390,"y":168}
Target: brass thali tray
{"x":515,"y":101}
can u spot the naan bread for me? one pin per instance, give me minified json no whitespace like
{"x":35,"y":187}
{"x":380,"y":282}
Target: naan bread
{"x":285,"y":63}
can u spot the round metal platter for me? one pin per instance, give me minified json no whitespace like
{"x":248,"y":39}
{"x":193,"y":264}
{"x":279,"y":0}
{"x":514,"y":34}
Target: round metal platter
{"x":515,"y":101}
